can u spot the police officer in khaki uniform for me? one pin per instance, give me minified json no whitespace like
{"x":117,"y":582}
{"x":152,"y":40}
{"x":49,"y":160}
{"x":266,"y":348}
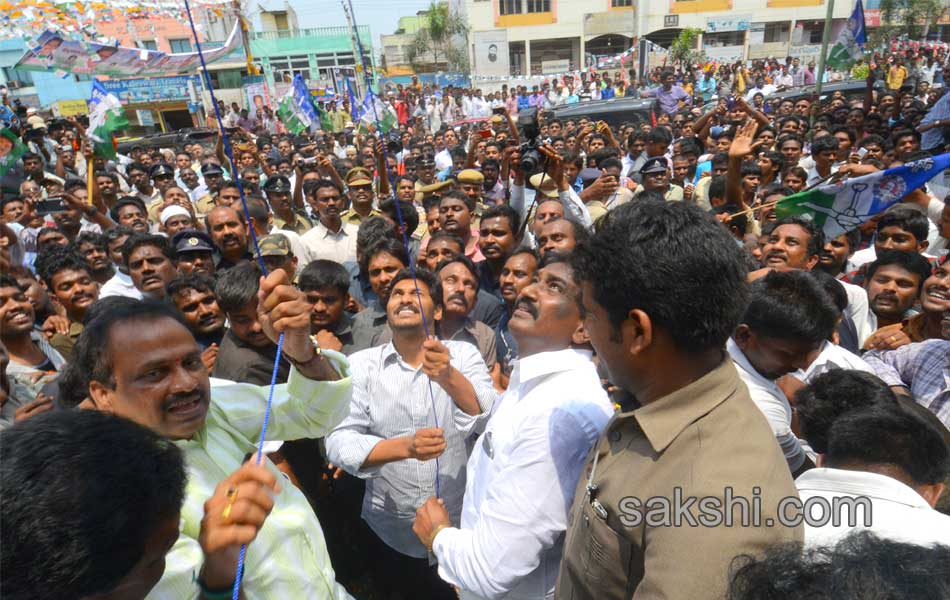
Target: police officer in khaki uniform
{"x":279,"y":196}
{"x":359,"y":188}
{"x":472,"y":184}
{"x":658,"y":512}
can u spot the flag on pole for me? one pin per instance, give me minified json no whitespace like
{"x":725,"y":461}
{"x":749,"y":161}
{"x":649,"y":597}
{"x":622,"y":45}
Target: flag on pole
{"x":11,"y":149}
{"x":376,"y":112}
{"x":850,"y":44}
{"x":840,"y":207}
{"x":106,"y":116}
{"x":354,"y":107}
{"x":295,"y":109}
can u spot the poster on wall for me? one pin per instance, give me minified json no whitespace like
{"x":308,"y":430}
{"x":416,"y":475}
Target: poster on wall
{"x":53,"y":52}
{"x":491,"y":53}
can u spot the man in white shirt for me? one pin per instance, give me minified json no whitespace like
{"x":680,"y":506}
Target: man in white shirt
{"x":331,"y":238}
{"x":121,"y":283}
{"x":443,"y":159}
{"x":884,"y":469}
{"x":788,"y":319}
{"x":523,"y":471}
{"x":416,"y":403}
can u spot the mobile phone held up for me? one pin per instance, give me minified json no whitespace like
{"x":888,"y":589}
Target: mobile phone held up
{"x":53,"y":204}
{"x":498,"y":110}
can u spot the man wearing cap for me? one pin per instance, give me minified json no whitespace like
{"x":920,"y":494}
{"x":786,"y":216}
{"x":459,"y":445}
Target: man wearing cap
{"x":359,"y":184}
{"x":213,"y":176}
{"x":276,"y":254}
{"x":279,"y":196}
{"x":195,"y":252}
{"x":471,"y":182}
{"x":175,"y":218}
{"x":656,"y":177}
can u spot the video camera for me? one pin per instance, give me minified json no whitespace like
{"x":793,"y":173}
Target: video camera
{"x":532,"y":160}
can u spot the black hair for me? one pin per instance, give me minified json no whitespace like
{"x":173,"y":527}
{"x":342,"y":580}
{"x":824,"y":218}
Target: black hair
{"x":389,"y":245}
{"x":198,"y":282}
{"x":82,"y":493}
{"x":909,"y":219}
{"x":883,"y":435}
{"x":126,"y":201}
{"x":739,"y":221}
{"x":608,"y":162}
{"x":847,"y":130}
{"x":310,"y":188}
{"x":689,"y":146}
{"x":466,"y":262}
{"x":506,"y":212}
{"x":832,"y":287}
{"x":55,"y":262}
{"x":447,"y":235}
{"x":775,"y":158}
{"x":717,"y":187}
{"x":912,"y":262}
{"x":872,"y":139}
{"x":832,"y":394}
{"x":146,"y":239}
{"x":721,"y":159}
{"x":421,"y":276}
{"x":92,"y":359}
{"x":793,"y":137}
{"x":860,"y":565}
{"x":816,"y":236}
{"x":897,"y":135}
{"x":555,"y":257}
{"x":238,"y":286}
{"x":409,"y":215}
{"x":660,"y":135}
{"x":750,"y":168}
{"x":115,"y":233}
{"x":372,"y":230}
{"x":672,"y":261}
{"x":457,"y":195}
{"x":823,"y":143}
{"x":257,"y":208}
{"x":791,"y":305}
{"x":92,"y":238}
{"x":323,"y":273}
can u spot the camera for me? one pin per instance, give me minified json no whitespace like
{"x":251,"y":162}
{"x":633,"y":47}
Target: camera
{"x":531,"y":158}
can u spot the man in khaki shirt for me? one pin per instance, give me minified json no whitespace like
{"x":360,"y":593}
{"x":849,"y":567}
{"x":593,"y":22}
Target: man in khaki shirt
{"x":688,"y":429}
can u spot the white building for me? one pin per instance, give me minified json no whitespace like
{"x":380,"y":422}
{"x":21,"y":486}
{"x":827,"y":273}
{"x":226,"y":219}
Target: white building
{"x":536,"y":37}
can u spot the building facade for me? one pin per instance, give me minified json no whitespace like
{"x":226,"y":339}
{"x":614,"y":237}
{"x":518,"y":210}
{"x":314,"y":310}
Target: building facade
{"x":537,"y":37}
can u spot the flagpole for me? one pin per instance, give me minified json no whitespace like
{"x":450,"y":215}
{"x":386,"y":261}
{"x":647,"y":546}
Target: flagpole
{"x":821,"y":57}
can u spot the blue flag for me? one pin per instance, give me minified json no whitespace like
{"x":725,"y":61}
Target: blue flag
{"x":850,"y":44}
{"x":296,"y":109}
{"x":354,"y":106}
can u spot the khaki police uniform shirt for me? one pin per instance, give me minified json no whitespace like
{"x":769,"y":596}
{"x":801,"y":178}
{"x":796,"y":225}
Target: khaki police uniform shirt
{"x":300,"y":226}
{"x":699,"y":440}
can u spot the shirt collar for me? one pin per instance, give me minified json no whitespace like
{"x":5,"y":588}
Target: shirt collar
{"x":663,"y":420}
{"x":547,"y":363}
{"x":860,"y":483}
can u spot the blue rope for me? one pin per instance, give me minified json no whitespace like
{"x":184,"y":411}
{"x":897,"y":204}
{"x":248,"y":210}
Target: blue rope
{"x":402,"y":223}
{"x":226,"y":143}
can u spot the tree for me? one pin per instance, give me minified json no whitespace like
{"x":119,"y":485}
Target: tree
{"x":442,"y":38}
{"x":910,"y":18}
{"x":683,"y":50}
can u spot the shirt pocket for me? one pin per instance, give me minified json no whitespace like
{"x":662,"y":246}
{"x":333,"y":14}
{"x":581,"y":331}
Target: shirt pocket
{"x":607,"y":558}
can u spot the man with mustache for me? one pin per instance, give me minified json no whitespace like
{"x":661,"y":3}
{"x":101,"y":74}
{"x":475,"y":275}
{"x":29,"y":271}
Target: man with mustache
{"x":455,"y":216}
{"x":151,"y":262}
{"x":279,"y":190}
{"x":68,"y":280}
{"x":415,"y":399}
{"x":517,"y":274}
{"x":129,"y":211}
{"x":195,"y":251}
{"x":359,"y":183}
{"x":326,"y":285}
{"x":164,"y":385}
{"x":934,"y":322}
{"x":193,"y":296}
{"x":525,"y":466}
{"x":894,"y":283}
{"x":229,"y":232}
{"x":784,"y":328}
{"x":459,"y":294}
{"x":95,"y":250}
{"x":497,"y":239}
{"x":331,"y":237}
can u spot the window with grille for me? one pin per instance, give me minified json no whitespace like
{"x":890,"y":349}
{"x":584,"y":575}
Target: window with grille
{"x":182,"y":45}
{"x":509,"y":7}
{"x":538,"y":6}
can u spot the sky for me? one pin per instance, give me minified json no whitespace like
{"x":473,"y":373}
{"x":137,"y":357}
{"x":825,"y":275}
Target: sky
{"x":382,"y":16}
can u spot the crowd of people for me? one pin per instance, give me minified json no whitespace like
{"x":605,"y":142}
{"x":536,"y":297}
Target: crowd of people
{"x":509,"y":363}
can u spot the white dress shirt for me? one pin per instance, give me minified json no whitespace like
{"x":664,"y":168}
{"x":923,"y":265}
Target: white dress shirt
{"x":773,"y":403}
{"x":522,"y":476}
{"x":120,"y":285}
{"x":337,"y":246}
{"x":392,"y":400}
{"x":831,"y":357}
{"x":443,"y":160}
{"x":858,"y":310}
{"x":898,"y":512}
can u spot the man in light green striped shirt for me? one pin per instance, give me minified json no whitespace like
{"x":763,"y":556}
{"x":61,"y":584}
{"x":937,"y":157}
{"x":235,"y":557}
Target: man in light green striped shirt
{"x":139,"y":361}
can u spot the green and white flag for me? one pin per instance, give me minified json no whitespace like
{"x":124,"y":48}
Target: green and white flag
{"x":375,"y":112}
{"x":850,"y":44}
{"x":840,"y":207}
{"x":295,"y":109}
{"x":106,"y":117}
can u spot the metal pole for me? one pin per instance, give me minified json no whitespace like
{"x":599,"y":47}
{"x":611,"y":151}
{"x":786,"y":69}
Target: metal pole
{"x":821,"y":57}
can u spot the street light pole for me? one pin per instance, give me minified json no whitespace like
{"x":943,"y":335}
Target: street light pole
{"x":824,"y":52}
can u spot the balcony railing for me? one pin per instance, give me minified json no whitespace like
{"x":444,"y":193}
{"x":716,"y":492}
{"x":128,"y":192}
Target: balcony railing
{"x":285,"y":34}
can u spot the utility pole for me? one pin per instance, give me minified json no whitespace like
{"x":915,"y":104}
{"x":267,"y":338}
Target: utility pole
{"x":354,"y":44}
{"x":824,"y":52}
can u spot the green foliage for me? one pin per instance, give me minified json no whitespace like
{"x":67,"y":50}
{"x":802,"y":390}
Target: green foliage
{"x":683,"y":50}
{"x":441,"y":39}
{"x":910,"y":18}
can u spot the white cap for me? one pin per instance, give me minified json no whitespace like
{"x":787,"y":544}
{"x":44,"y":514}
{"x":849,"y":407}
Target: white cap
{"x":31,"y":110}
{"x":172,"y":211}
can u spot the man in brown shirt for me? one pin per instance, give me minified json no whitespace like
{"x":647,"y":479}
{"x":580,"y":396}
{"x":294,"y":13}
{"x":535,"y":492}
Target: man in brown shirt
{"x":663,"y":287}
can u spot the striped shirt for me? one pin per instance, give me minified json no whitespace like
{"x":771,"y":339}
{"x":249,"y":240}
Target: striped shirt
{"x":288,"y":559}
{"x":392,"y":400}
{"x":924,"y":368}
